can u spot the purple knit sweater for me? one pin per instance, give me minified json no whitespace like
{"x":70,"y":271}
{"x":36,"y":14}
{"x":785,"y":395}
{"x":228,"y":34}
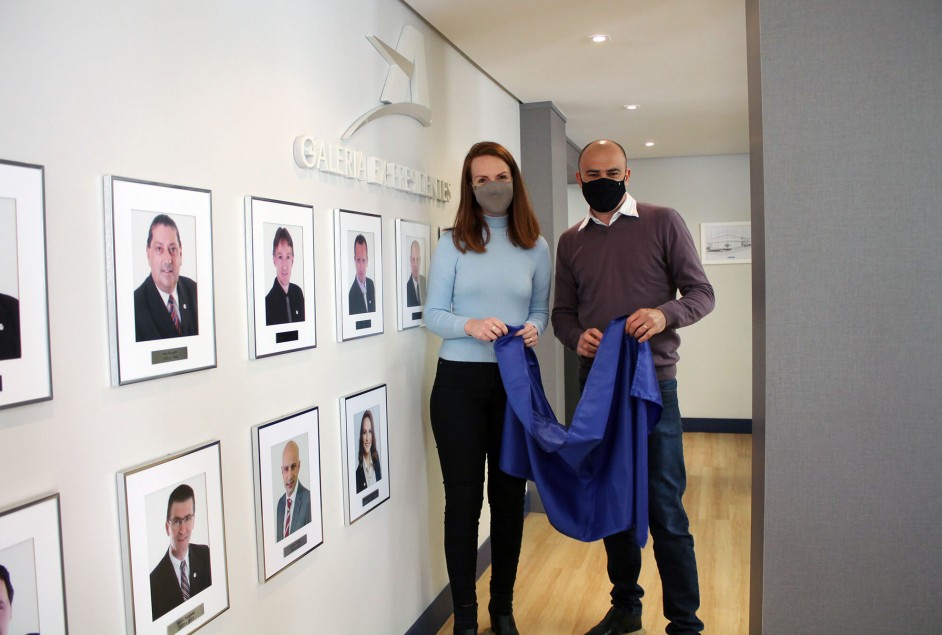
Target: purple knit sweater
{"x":605,"y":272}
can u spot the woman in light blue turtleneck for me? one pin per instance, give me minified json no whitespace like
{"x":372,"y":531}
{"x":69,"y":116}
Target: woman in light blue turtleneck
{"x":491,"y":270}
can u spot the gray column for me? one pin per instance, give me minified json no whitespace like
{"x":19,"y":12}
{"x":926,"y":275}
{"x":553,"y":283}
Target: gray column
{"x":847,"y":125}
{"x":543,"y":162}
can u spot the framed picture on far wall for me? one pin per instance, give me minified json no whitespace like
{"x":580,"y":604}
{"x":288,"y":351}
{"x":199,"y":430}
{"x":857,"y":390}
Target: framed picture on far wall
{"x":366,"y":451}
{"x":25,"y":370}
{"x":173,"y":542}
{"x":287,"y":467}
{"x":279,"y":251}
{"x":32,"y":591}
{"x":160,"y":279}
{"x":358,"y":261}
{"x":412,"y":255}
{"x":726,"y":243}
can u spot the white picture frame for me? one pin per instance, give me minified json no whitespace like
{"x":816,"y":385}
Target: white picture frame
{"x":727,"y":243}
{"x":361,"y":496}
{"x":273,"y":329}
{"x":25,"y":359}
{"x":273,"y":458}
{"x":148,"y":516}
{"x":31,"y":553}
{"x":142,"y":346}
{"x":358,"y":316}
{"x":411,"y":278}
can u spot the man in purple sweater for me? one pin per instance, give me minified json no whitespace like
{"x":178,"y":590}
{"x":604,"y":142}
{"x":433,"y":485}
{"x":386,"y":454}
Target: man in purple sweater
{"x":632,"y":258}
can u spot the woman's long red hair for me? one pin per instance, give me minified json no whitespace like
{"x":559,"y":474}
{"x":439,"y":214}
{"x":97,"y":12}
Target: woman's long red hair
{"x":471,"y":231}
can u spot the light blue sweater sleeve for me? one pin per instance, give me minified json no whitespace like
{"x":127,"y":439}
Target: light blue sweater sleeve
{"x":539,"y":301}
{"x":506,"y":282}
{"x":441,"y":283}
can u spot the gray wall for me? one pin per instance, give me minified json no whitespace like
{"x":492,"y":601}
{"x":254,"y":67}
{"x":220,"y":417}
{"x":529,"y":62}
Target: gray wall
{"x":848,"y":344}
{"x":543,"y":151}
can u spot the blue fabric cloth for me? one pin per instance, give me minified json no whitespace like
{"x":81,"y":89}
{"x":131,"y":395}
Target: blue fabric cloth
{"x":593,"y":474}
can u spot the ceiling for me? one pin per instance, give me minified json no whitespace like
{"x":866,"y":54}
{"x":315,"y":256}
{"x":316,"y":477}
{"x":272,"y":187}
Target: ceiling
{"x":682,"y":61}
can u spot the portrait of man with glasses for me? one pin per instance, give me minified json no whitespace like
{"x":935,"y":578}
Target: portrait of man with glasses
{"x":185,"y":570}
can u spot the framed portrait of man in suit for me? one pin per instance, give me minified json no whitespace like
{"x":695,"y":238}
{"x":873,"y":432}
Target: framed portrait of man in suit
{"x":160,"y":279}
{"x":279,"y":251}
{"x":358,"y":254}
{"x":25,"y":370}
{"x":289,"y":522}
{"x":366,"y":451}
{"x":32,"y":589}
{"x":412,"y":256}
{"x":173,"y":542}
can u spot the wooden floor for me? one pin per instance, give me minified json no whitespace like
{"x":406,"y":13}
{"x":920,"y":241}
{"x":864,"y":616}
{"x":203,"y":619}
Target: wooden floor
{"x":562,"y":586}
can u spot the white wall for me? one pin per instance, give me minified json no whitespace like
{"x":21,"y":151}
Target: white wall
{"x":715,"y":369}
{"x":212,"y":95}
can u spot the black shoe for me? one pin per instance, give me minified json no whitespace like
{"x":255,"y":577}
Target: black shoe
{"x":466,"y":631}
{"x":617,"y":622}
{"x":504,"y":625}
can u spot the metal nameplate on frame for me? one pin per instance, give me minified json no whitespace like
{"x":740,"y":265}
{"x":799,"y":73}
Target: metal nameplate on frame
{"x":186,"y":620}
{"x":168,"y":355}
{"x":286,"y":336}
{"x":294,"y":546}
{"x":369,"y":498}
{"x":417,"y":315}
{"x":364,"y":324}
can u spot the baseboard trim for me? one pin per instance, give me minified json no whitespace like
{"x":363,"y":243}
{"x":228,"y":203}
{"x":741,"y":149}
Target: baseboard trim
{"x":725,"y":426}
{"x":441,"y":608}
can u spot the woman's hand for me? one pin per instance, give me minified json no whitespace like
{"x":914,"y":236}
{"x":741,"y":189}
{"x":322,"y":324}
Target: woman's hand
{"x":529,"y":334}
{"x":486,"y":330}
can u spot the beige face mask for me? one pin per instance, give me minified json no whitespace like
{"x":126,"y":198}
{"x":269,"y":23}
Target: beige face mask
{"x":495,"y":197}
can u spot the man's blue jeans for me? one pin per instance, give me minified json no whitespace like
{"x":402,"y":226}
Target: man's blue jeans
{"x":673,"y":544}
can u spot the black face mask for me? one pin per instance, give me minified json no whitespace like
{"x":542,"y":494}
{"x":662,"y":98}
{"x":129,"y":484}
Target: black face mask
{"x":603,"y":195}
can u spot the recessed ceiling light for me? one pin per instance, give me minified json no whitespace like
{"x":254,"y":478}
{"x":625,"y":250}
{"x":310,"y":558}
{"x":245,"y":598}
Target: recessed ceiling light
{"x":598,"y":38}
{"x":648,"y":143}
{"x":631,"y":106}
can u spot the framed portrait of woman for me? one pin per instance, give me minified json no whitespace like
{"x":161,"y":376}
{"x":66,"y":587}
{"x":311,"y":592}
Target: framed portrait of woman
{"x":365,"y":431}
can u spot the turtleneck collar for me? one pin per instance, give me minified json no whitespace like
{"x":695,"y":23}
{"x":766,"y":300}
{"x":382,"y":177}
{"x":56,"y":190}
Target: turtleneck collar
{"x":497,"y":222}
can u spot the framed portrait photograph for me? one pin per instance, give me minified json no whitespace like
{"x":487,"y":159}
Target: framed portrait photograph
{"x":726,"y":243}
{"x":413,"y":245}
{"x":25,"y":369}
{"x":160,"y":279}
{"x":173,"y":542}
{"x":366,"y":451}
{"x":288,"y":513}
{"x":279,"y":251}
{"x":32,"y":583}
{"x":358,"y":261}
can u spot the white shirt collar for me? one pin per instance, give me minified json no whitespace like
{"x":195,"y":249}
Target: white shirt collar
{"x":629,"y":207}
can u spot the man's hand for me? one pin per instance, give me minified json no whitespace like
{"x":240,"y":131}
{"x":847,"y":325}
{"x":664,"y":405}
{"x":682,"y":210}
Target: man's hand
{"x":643,"y":324}
{"x":486,"y":330}
{"x":589,"y":342}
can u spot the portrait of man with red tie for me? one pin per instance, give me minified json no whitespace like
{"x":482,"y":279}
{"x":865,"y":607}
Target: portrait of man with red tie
{"x":165,"y":305}
{"x":294,"y":506}
{"x":184,"y":571}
